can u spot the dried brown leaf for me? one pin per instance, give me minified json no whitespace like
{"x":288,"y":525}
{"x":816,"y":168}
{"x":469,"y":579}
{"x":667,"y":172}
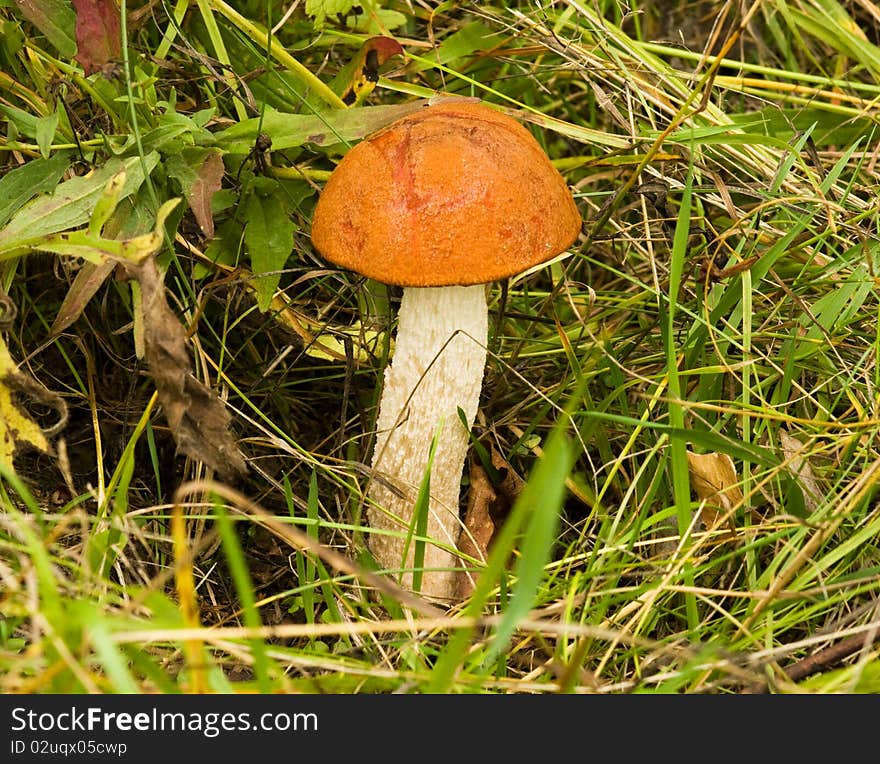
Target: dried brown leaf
{"x":197,"y":417}
{"x":488,"y":506}
{"x":511,"y":485}
{"x":714,"y":479}
{"x":97,"y":33}
{"x":199,"y":195}
{"x":479,"y":527}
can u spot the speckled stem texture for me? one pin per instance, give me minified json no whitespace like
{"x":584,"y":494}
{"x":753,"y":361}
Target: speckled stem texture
{"x":438,"y":365}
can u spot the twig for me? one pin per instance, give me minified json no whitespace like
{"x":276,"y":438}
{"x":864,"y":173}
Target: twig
{"x":831,"y":655}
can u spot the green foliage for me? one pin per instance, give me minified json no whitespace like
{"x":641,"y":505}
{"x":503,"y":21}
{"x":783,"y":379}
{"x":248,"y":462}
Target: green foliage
{"x":39,"y":176}
{"x":72,"y":202}
{"x":319,"y":10}
{"x":56,"y":20}
{"x":288,"y":131}
{"x":268,"y":234}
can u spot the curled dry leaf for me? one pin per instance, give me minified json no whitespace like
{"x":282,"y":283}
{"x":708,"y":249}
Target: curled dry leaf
{"x":479,"y":527}
{"x":197,"y":417}
{"x":714,"y":479}
{"x":487,"y":507}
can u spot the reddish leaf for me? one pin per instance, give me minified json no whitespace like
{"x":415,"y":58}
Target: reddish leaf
{"x":201,"y":192}
{"x":97,"y":33}
{"x":87,"y":282}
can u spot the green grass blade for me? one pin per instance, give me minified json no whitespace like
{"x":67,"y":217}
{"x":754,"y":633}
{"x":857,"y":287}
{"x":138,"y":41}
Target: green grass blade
{"x":677,"y":444}
{"x":536,"y":507}
{"x":238,"y":569}
{"x":541,"y":502}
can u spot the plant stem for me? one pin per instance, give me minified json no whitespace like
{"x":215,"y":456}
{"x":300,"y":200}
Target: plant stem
{"x":261,"y":37}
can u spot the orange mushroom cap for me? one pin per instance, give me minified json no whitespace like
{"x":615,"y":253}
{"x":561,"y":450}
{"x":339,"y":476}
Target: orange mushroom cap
{"x":454,"y":194}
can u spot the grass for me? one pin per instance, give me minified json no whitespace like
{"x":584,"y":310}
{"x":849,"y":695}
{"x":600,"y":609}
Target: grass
{"x":721,"y":302}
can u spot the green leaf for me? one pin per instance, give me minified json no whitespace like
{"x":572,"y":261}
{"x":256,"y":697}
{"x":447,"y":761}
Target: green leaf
{"x":320,"y":9}
{"x":838,"y":30}
{"x":28,"y":522}
{"x":106,"y":203}
{"x":268,"y":236}
{"x":793,"y":502}
{"x":38,"y":176}
{"x":25,"y":123}
{"x":541,"y":501}
{"x":72,"y":203}
{"x":111,"y":658}
{"x":11,"y":38}
{"x":55,"y":19}
{"x":224,"y":248}
{"x":419,"y":526}
{"x":377,"y":22}
{"x":45,"y":133}
{"x":782,"y":124}
{"x":471,"y":38}
{"x":535,"y":513}
{"x":291,"y":130}
{"x":244,"y":586}
{"x":856,"y":678}
{"x":180,"y":169}
{"x":175,"y":132}
{"x":103,"y":548}
{"x":95,"y":248}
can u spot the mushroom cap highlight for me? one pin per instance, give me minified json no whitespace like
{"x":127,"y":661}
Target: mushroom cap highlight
{"x":454,"y":194}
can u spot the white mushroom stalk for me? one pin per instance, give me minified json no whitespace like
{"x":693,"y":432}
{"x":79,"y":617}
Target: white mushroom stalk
{"x":439,"y":358}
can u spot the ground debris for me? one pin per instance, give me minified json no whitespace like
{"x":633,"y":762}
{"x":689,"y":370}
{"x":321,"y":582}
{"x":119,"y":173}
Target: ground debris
{"x":197,"y":417}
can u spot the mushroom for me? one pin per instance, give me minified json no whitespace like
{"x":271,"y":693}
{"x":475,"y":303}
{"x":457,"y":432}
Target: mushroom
{"x":440,"y":202}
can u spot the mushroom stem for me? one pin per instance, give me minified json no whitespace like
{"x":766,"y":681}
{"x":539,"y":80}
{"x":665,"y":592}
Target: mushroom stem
{"x":438,"y":364}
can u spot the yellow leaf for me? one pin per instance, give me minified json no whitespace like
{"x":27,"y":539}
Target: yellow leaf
{"x":332,"y":347}
{"x":357,"y":79}
{"x":716,"y":484}
{"x":16,"y":428}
